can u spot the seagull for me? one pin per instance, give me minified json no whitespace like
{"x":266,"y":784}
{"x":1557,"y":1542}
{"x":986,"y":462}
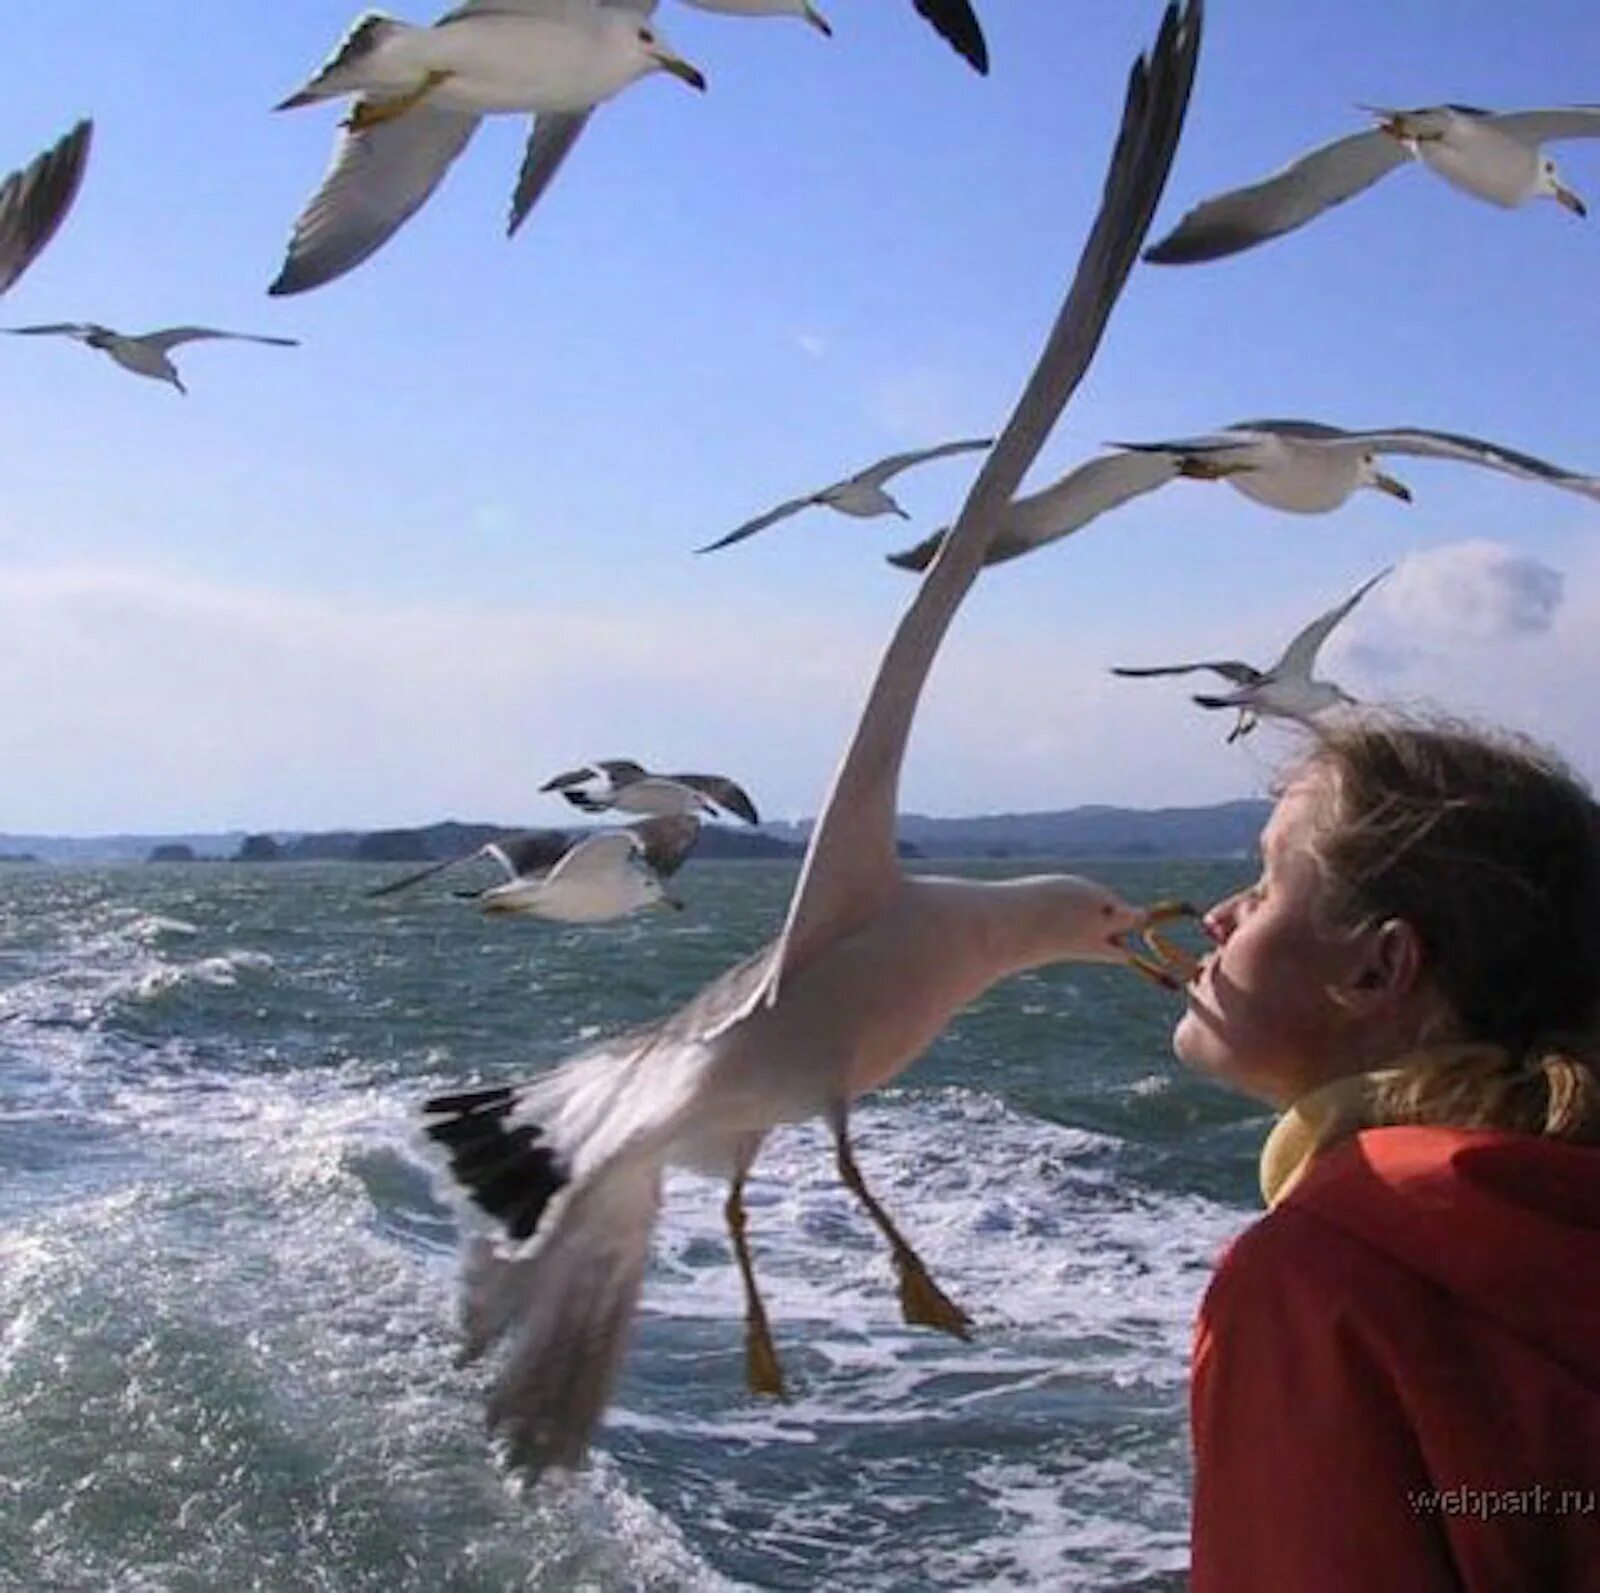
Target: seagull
{"x":145,"y":354}
{"x":663,"y":844}
{"x":631,"y":788}
{"x":861,"y":495}
{"x":421,"y":92}
{"x":868,"y":968}
{"x":1493,"y":155}
{"x":1287,"y":690}
{"x":1300,"y":466}
{"x":35,"y":201}
{"x":604,"y":876}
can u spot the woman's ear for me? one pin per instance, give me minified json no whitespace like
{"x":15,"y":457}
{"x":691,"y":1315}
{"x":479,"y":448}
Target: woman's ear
{"x":1389,"y":965}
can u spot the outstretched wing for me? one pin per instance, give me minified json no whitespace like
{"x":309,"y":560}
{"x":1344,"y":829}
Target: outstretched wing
{"x":549,"y":145}
{"x":77,"y":329}
{"x":1244,"y":217}
{"x":876,"y":475}
{"x":35,"y":201}
{"x":531,"y":851}
{"x":724,"y":792}
{"x":417,"y":876}
{"x":1556,"y":121}
{"x":1474,"y":451}
{"x":1301,"y":654}
{"x":762,"y":521}
{"x":597,"y":854}
{"x":851,"y":867}
{"x":1234,"y":669}
{"x":380,"y":176}
{"x":172,"y":336}
{"x":957,"y":24}
{"x":665,"y":841}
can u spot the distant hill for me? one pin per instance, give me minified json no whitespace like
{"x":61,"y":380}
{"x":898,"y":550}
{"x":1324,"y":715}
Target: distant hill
{"x":1226,"y":829}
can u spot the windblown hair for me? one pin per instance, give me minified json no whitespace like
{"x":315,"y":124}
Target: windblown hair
{"x":1488,"y":846}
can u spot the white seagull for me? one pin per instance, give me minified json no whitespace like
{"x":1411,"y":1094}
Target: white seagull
{"x":35,"y":201}
{"x":1286,"y":690}
{"x":1493,"y":155}
{"x":145,"y":353}
{"x":861,"y":495}
{"x":868,"y":969}
{"x":629,"y":787}
{"x":421,"y":92}
{"x":663,"y":845}
{"x":1298,"y":466}
{"x":603,"y":877}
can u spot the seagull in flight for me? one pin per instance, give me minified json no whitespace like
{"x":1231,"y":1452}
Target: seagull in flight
{"x":629,"y":787}
{"x":869,"y":967}
{"x":1298,"y":466}
{"x":1286,"y":690}
{"x":145,"y":354}
{"x":861,"y":495}
{"x":420,"y":93}
{"x":1497,"y":156}
{"x":35,"y":201}
{"x":663,"y":844}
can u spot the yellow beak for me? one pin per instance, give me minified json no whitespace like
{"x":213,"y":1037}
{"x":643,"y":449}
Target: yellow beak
{"x":815,"y":18}
{"x":1565,"y":196}
{"x":1164,"y":964}
{"x":1395,"y":489}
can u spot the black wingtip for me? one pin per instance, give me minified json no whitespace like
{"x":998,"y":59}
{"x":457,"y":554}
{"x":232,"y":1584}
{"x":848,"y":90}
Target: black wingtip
{"x":500,"y":1164}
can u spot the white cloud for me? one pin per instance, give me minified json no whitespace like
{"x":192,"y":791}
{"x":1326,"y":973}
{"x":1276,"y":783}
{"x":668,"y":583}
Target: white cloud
{"x":1474,"y":591}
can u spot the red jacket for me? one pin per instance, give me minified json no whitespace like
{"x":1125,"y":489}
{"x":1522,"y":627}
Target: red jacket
{"x":1397,"y":1375}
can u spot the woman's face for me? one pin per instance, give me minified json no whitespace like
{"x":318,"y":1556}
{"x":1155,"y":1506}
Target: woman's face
{"x":1262,"y":1013}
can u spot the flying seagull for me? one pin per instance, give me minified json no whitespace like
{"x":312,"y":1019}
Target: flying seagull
{"x":1493,"y":155}
{"x":1286,"y":690}
{"x":629,"y":787}
{"x":146,"y":354}
{"x":603,"y":876}
{"x":664,"y":843}
{"x":869,"y":966}
{"x":421,"y":92}
{"x":1299,"y":466}
{"x":861,"y":495}
{"x":35,"y":201}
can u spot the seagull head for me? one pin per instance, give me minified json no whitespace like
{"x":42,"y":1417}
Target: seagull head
{"x":1549,"y":182}
{"x":659,"y":56}
{"x":1088,"y":923}
{"x":1371,"y":474}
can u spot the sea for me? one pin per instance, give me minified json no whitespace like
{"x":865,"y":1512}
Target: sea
{"x":228,"y":1260}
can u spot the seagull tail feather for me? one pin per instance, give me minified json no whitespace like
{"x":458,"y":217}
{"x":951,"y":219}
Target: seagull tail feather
{"x":340,"y":73}
{"x":567,"y":1311}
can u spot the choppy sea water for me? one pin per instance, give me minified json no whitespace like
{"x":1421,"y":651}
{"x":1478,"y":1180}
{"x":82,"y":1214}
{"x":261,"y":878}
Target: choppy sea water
{"x":227,"y":1262}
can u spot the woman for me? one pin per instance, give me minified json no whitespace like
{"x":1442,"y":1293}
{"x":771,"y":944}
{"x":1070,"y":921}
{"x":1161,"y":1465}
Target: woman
{"x":1397,"y":1369}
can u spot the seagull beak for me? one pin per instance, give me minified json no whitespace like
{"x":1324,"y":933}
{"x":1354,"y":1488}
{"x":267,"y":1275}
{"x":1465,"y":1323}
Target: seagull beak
{"x":678,"y":67}
{"x":815,"y":18}
{"x":1395,"y":489}
{"x":1164,"y":964}
{"x":1565,"y":196}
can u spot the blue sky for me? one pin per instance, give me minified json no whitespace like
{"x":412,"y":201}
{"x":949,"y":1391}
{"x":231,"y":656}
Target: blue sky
{"x":442,"y":549}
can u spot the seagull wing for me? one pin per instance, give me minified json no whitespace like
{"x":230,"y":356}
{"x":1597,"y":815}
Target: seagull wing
{"x":530,"y":851}
{"x":407,"y":880}
{"x":1473,"y":451}
{"x":1234,"y":669}
{"x":957,"y":24}
{"x":876,"y":475}
{"x":78,"y":329}
{"x":601,"y":853}
{"x":380,"y":176}
{"x":1301,"y":654}
{"x":771,"y":517}
{"x":548,"y":146}
{"x":172,"y":336}
{"x":35,"y":201}
{"x":666,"y":841}
{"x":1066,"y":506}
{"x":1559,"y":121}
{"x":850,"y":867}
{"x":1288,"y":199}
{"x":724,"y":792}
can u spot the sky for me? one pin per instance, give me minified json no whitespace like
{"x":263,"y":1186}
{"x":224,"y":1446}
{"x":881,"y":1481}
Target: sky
{"x":443,"y":548}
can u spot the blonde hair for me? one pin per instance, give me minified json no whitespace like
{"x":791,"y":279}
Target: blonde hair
{"x":1488,"y":846}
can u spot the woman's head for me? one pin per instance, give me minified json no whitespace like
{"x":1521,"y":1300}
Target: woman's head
{"x":1421,"y":881}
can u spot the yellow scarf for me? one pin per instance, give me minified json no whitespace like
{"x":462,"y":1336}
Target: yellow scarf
{"x":1333,"y":1112}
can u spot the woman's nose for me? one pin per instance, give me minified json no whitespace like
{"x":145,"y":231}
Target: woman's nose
{"x":1218,"y":922}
